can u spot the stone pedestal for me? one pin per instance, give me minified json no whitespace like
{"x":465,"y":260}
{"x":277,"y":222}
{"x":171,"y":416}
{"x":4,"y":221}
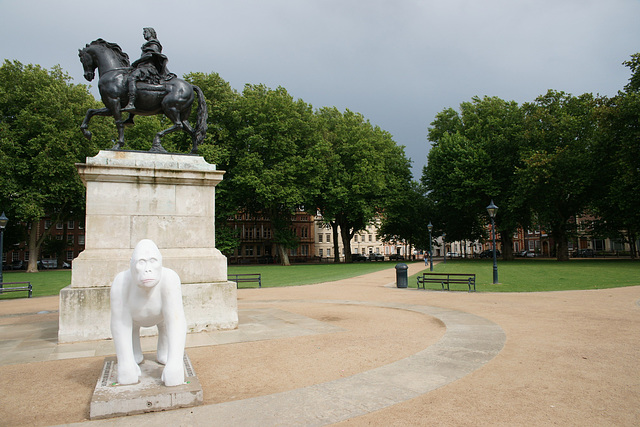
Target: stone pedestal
{"x":167,"y":198}
{"x":149,"y":395}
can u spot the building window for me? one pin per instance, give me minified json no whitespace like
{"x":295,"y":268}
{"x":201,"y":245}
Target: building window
{"x":355,"y":238}
{"x":328,"y":252}
{"x":305,"y":250}
{"x":59,"y":237}
{"x":320,"y":252}
{"x":370,"y":237}
{"x":58,"y":226}
{"x":81,"y":239}
{"x":320,"y":239}
{"x":81,"y":226}
{"x":70,"y":238}
{"x":47,"y":224}
{"x":305,"y":232}
{"x":26,"y":255}
{"x":248,"y":250}
{"x":69,"y":255}
{"x":14,"y":256}
{"x":328,"y":238}
{"x":71,"y":224}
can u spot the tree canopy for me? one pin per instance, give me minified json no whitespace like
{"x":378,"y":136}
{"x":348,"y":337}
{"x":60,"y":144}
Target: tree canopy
{"x":40,"y":142}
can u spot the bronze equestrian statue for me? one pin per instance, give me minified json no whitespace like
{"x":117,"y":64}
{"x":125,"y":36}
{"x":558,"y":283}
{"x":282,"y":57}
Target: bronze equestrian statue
{"x":147,"y":88}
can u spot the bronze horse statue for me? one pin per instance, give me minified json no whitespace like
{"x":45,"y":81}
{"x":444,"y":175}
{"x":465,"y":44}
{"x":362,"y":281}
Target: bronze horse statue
{"x":173,"y":97}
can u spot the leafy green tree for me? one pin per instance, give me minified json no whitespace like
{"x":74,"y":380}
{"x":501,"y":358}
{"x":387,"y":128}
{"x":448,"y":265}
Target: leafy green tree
{"x":363,"y":169}
{"x":224,"y":118}
{"x":456,"y":179}
{"x":40,"y":142}
{"x":406,"y":215}
{"x":634,"y":65}
{"x":275,"y":159}
{"x":559,"y":174}
{"x":617,"y":154}
{"x":472,"y":160}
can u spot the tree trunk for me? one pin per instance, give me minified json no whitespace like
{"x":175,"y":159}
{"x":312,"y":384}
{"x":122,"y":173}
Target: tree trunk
{"x":284,"y":257}
{"x":632,"y":245}
{"x":346,"y":242}
{"x":507,"y":246}
{"x":32,"y":266}
{"x":336,"y":242}
{"x":562,"y":246}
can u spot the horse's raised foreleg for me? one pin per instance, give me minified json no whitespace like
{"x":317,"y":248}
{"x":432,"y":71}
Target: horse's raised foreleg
{"x":84,"y":127}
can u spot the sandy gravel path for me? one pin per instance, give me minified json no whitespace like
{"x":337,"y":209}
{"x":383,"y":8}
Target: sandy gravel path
{"x":570,"y":358}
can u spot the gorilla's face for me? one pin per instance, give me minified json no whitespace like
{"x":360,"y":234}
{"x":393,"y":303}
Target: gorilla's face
{"x":146,"y":264}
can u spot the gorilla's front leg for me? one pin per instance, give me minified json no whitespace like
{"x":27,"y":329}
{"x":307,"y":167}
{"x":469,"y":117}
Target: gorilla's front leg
{"x":162,"y":352}
{"x":137,"y":349}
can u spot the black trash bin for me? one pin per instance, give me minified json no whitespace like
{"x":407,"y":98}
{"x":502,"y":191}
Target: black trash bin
{"x":402,"y":281}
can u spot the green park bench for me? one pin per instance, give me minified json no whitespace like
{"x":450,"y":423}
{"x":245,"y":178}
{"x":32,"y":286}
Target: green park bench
{"x":447,"y":279}
{"x":26,"y":286}
{"x":246,"y":278}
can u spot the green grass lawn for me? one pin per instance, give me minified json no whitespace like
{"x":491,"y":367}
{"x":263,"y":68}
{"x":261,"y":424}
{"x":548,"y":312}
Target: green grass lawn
{"x":306,"y":274}
{"x":515,"y":276}
{"x":44,"y":282}
{"x":541,"y":275}
{"x":50,"y":282}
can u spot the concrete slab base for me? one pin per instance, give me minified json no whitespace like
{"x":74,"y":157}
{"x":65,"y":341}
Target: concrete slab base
{"x":150,"y":395}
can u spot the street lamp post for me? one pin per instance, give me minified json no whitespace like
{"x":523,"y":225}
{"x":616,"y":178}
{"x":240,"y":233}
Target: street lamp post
{"x":492,"y":209}
{"x":430,"y":227}
{"x":3,"y":223}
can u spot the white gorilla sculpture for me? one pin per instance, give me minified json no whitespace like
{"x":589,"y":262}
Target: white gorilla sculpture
{"x":145,"y":295}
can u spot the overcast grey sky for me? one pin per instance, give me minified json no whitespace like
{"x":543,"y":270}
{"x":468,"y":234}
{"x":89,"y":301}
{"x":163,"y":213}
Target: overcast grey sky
{"x":397,"y":62}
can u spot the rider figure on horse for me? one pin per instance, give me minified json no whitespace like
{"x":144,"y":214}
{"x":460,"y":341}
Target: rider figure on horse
{"x":150,"y":68}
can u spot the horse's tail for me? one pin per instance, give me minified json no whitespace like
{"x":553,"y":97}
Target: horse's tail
{"x":201,"y":121}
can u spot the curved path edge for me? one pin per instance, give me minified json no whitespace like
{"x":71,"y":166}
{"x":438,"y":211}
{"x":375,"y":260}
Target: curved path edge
{"x":468,"y":343}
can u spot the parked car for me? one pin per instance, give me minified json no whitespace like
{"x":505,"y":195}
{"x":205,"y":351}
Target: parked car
{"x":18,"y":265}
{"x":376,"y":257}
{"x":584,"y":253}
{"x":358,"y":257}
{"x":453,"y":255}
{"x":47,"y":263}
{"x":266,"y":259}
{"x":396,"y":257}
{"x":526,"y":254}
{"x":488,"y":253}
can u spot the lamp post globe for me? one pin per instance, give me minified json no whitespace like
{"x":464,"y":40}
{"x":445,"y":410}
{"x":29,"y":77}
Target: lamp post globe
{"x":3,"y":223}
{"x":430,"y":227}
{"x":492,"y":209}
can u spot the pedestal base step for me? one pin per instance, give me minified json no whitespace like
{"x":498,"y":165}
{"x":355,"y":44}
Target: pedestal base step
{"x":149,"y":395}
